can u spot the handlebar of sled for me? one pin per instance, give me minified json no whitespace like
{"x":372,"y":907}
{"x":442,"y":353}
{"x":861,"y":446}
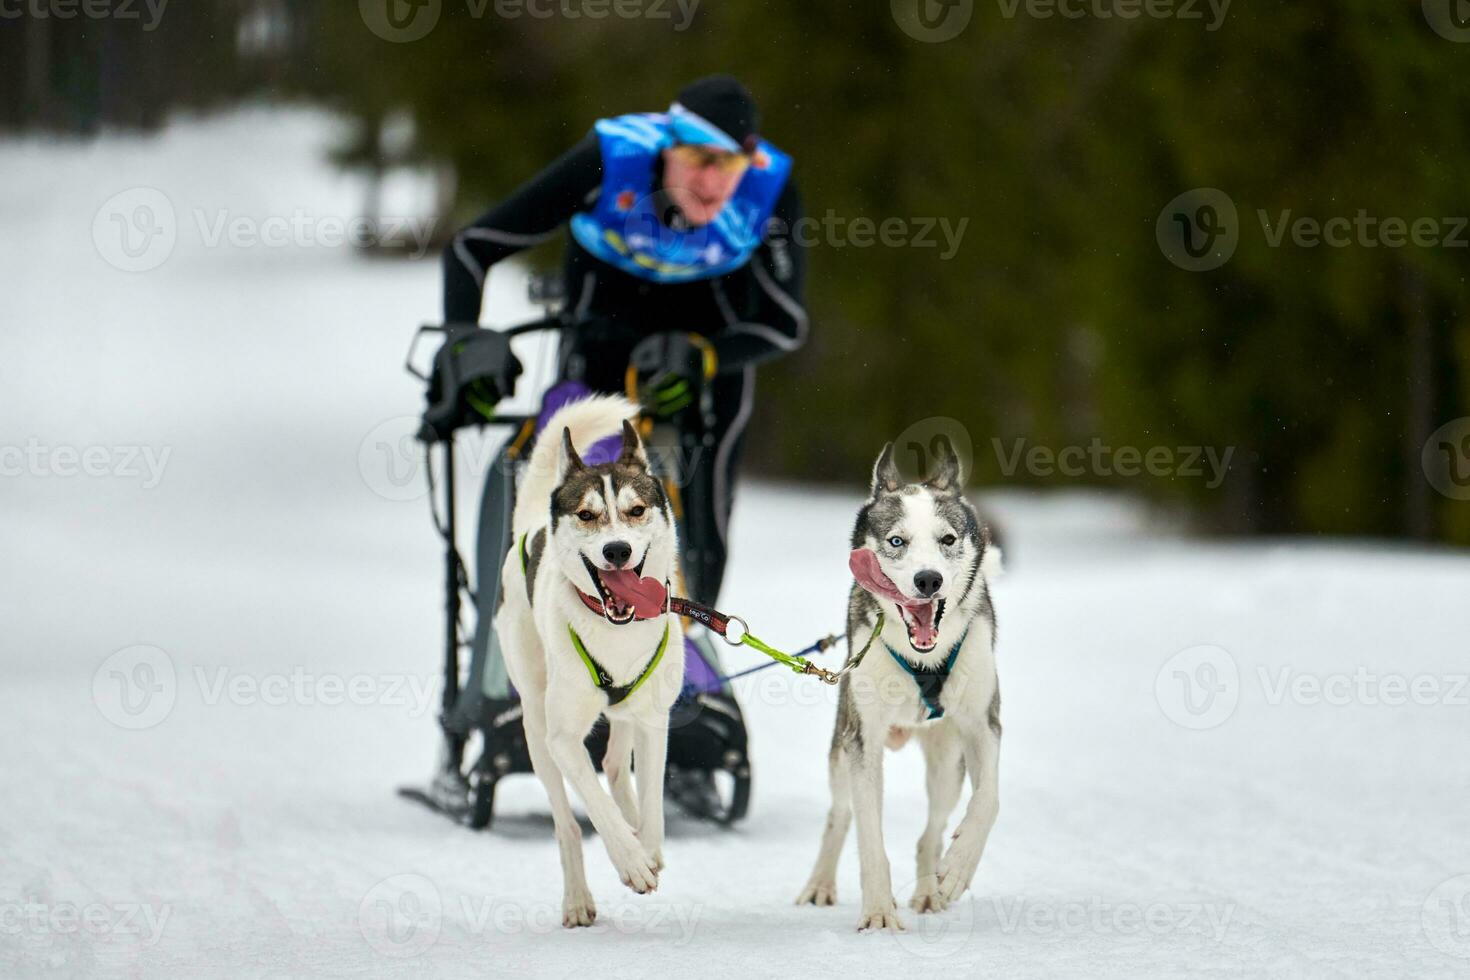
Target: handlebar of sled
{"x":554,"y":322}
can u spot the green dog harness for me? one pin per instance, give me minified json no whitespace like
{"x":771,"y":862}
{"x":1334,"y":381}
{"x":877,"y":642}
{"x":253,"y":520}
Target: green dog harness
{"x":616,"y":694}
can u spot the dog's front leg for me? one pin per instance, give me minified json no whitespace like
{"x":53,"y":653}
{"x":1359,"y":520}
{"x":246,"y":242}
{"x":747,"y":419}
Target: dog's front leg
{"x":982,"y":759}
{"x":865,"y":754}
{"x":577,"y":908}
{"x":651,"y":750}
{"x":944,"y":778}
{"x":566,"y":729}
{"x":617,"y":766}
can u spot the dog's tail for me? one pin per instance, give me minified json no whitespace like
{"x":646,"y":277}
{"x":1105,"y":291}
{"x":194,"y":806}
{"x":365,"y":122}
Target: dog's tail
{"x":589,"y":420}
{"x":990,"y":561}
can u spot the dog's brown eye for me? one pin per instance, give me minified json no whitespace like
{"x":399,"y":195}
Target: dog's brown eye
{"x":948,"y":540}
{"x":637,"y":511}
{"x":586,"y":516}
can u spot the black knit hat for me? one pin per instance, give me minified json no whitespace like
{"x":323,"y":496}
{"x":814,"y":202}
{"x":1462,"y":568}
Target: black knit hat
{"x":723,"y":101}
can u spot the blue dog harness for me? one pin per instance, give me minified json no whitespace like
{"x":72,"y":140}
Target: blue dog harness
{"x":931,"y":679}
{"x":623,"y":228}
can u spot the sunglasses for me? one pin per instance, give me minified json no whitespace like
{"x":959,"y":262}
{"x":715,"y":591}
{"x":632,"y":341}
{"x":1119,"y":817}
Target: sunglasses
{"x":694,"y":155}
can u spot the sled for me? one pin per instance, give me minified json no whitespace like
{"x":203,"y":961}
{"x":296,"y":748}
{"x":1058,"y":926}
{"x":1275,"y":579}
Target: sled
{"x":708,"y":773}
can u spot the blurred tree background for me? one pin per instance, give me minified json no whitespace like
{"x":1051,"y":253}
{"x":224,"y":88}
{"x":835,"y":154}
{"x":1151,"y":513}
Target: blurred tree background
{"x":1060,"y":319}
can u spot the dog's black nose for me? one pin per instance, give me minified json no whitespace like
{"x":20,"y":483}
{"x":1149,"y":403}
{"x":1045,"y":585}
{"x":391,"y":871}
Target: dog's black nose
{"x":617,"y":552}
{"x":928,"y":582}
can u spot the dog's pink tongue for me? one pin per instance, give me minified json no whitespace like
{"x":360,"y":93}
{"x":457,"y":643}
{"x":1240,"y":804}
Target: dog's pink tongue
{"x":923,"y":623}
{"x":864,"y":566}
{"x":645,"y":595}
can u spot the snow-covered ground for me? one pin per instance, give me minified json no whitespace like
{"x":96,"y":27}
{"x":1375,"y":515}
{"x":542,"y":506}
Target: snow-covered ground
{"x":220,"y":608}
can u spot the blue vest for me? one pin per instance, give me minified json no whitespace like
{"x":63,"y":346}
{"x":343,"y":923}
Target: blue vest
{"x":623,"y":228}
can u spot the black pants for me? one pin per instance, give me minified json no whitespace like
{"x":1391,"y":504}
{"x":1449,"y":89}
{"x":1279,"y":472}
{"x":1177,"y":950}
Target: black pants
{"x":596,"y":353}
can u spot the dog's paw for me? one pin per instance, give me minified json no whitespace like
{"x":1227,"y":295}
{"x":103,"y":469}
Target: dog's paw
{"x":882,"y":918}
{"x":927,"y":898}
{"x":635,"y":867}
{"x":957,"y":868}
{"x":818,"y":893}
{"x":656,"y":858}
{"x":578,"y":912}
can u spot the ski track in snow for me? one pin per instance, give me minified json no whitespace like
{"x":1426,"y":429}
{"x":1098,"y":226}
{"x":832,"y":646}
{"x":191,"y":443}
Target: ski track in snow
{"x":264,"y":839}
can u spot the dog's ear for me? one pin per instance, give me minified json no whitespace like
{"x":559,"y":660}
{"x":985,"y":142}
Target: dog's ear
{"x":633,"y":453}
{"x":570,"y":462}
{"x":946,"y":477}
{"x":885,"y":472}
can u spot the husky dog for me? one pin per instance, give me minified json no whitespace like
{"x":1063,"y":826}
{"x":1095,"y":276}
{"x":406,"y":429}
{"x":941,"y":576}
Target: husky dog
{"x":921,"y":559}
{"x":586,"y":630}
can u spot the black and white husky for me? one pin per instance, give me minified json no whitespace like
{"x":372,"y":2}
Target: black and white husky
{"x":922,"y":560}
{"x":586,"y":630}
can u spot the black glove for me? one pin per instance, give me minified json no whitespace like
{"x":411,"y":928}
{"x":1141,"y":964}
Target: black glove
{"x":473,"y":371}
{"x":670,"y":372}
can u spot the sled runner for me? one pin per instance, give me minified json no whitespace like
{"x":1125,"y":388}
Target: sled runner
{"x":474,"y":369}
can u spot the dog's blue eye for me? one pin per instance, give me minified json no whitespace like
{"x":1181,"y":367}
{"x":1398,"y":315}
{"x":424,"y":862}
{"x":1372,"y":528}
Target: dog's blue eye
{"x":896,"y":541}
